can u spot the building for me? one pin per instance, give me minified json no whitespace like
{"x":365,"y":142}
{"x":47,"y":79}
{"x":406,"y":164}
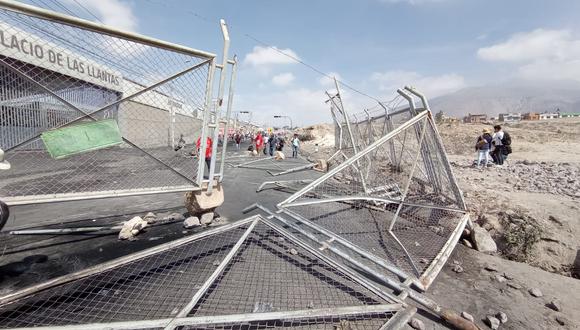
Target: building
{"x":510,"y":117}
{"x":569,"y":114}
{"x":473,"y":119}
{"x":531,"y":116}
{"x":549,"y":115}
{"x":156,"y":118}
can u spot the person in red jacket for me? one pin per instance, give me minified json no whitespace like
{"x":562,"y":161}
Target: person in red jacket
{"x":259,"y":143}
{"x":208,"y":151}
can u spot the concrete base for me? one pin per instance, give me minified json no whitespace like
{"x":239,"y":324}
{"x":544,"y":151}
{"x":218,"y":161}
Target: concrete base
{"x":199,"y":202}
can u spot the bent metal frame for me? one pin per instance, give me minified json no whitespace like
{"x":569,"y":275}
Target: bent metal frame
{"x":165,"y":90}
{"x":253,"y":273}
{"x":394,"y":198}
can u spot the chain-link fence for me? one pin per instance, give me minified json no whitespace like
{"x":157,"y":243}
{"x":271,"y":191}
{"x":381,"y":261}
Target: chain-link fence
{"x":87,"y":111}
{"x":395,"y":198}
{"x":250,"y":273}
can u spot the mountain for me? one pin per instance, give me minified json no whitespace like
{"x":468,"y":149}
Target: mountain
{"x":510,"y":97}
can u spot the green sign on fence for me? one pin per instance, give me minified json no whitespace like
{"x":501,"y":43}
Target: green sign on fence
{"x":89,"y":136}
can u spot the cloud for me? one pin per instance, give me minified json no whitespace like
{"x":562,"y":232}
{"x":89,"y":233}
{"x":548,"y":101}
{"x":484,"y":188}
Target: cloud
{"x":283,"y":79}
{"x":265,"y":56}
{"x":432,"y":86}
{"x":541,"y":54}
{"x":327,"y":82}
{"x":111,"y":12}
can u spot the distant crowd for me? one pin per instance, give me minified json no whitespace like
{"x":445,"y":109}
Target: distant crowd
{"x":496,"y":144}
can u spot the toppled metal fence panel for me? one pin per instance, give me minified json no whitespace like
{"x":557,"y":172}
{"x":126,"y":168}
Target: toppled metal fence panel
{"x":246,"y":273}
{"x":59,"y":71}
{"x":397,"y":199}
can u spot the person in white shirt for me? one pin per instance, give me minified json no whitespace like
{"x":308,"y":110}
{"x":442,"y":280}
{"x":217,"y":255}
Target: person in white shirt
{"x":295,"y":146}
{"x":497,"y":153}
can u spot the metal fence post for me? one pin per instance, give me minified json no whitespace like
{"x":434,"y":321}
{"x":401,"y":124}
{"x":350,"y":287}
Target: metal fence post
{"x":234,"y":64}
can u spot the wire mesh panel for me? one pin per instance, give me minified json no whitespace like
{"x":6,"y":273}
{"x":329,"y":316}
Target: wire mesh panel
{"x":249,"y":274}
{"x":56,"y":76}
{"x":158,"y":286}
{"x":396,"y":199}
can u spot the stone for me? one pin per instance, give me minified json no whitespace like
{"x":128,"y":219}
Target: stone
{"x":417,"y":324}
{"x":321,"y":165}
{"x":466,"y":232}
{"x":207,"y":218}
{"x":424,"y":261}
{"x":508,"y":276}
{"x":514,"y":285}
{"x":150,"y":217}
{"x":490,"y":267}
{"x":191,"y":222}
{"x":555,"y":305}
{"x":467,"y":243}
{"x":457,"y":269}
{"x":467,"y":316}
{"x":293,"y":251}
{"x":502,"y":317}
{"x":492,"y":321}
{"x":560,"y":320}
{"x":482,"y":240}
{"x":535,"y":292}
{"x":279,"y":155}
{"x":500,"y":278}
{"x":132,"y":228}
{"x":200,"y":201}
{"x":174,"y":216}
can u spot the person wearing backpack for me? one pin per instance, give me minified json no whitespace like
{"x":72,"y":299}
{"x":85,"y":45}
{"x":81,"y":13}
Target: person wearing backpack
{"x":500,"y":142}
{"x":482,"y":146}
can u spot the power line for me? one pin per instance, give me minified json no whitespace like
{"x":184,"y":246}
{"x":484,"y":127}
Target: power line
{"x":88,"y":11}
{"x":311,"y":67}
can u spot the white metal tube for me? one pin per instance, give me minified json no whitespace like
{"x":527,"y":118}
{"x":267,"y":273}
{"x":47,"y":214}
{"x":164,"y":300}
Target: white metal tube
{"x":29,"y":10}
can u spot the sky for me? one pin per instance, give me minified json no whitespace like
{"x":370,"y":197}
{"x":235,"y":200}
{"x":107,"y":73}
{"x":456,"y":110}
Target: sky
{"x":374,"y":46}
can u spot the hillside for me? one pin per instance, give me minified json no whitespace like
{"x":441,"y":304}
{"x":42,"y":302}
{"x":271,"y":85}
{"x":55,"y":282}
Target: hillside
{"x":496,"y":99}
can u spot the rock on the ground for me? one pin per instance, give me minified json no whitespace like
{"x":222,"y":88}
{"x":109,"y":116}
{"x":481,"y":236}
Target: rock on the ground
{"x":174,"y":216}
{"x":293,"y":251}
{"x":417,"y":324}
{"x":535,"y":292}
{"x":491,"y":267}
{"x":191,"y":222}
{"x":132,"y":228}
{"x":467,"y":316}
{"x":502,"y":317}
{"x":207,"y":218}
{"x":555,"y":305}
{"x":514,"y":285}
{"x":467,"y":243}
{"x":492,"y":321}
{"x":150,"y":217}
{"x":482,"y":239}
{"x":500,"y":278}
{"x":560,"y":320}
{"x":457,"y":268}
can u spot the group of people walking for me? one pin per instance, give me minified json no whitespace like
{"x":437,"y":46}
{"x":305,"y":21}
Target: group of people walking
{"x":267,"y":144}
{"x":496,"y":144}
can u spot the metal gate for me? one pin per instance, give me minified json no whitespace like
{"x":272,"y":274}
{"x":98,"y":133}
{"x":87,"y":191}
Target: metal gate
{"x":59,"y":72}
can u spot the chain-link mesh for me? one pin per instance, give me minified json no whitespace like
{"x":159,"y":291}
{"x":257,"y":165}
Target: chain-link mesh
{"x":267,"y":273}
{"x":396,"y":199}
{"x":55,"y":75}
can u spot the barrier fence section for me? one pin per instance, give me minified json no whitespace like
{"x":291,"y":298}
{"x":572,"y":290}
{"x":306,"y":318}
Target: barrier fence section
{"x":248,"y":274}
{"x":391,"y":194}
{"x":87,"y":111}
